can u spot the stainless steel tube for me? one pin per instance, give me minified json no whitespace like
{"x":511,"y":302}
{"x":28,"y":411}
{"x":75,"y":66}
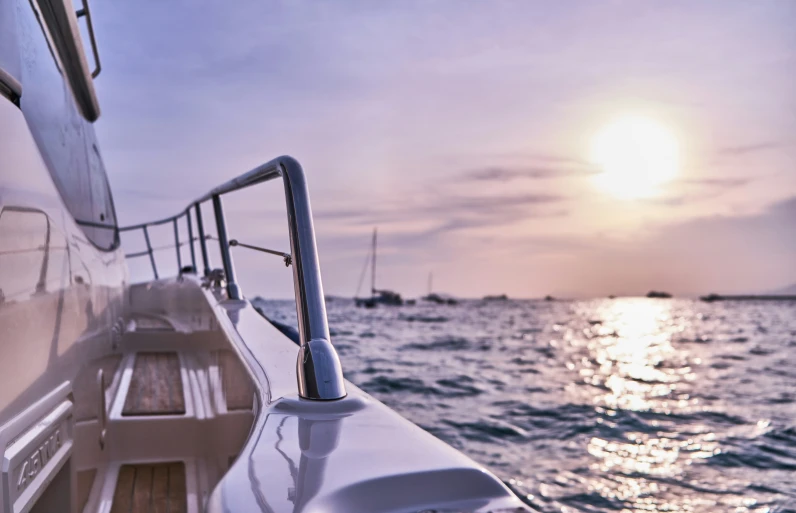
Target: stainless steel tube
{"x":320,"y":375}
{"x":151,"y":254}
{"x":177,"y":247}
{"x":190,"y":239}
{"x":202,"y":241}
{"x":233,"y":290}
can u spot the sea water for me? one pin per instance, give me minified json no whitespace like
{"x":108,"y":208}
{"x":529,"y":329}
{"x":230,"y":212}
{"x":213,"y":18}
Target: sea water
{"x":627,"y":404}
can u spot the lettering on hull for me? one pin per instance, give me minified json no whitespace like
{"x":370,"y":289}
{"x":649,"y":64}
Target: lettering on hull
{"x":31,"y":467}
{"x":34,"y":446}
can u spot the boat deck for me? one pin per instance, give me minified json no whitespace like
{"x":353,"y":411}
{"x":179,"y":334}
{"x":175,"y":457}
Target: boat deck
{"x":178,"y":405}
{"x":156,"y":386}
{"x":151,"y":489}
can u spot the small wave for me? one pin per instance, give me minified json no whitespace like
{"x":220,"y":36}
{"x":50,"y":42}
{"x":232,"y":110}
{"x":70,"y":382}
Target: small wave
{"x":442,"y":344}
{"x":461,"y":386}
{"x":696,"y":340}
{"x":593,"y":502}
{"x":488,"y":430}
{"x":385,"y":385}
{"x":756,"y":457}
{"x":759,"y":351}
{"x":734,"y":357}
{"x":423,"y":318}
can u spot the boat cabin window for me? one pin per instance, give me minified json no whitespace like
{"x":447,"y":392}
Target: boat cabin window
{"x":64,"y":137}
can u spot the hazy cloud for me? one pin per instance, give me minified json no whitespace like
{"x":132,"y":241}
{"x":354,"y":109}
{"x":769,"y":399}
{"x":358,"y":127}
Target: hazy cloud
{"x":744,"y":149}
{"x":707,"y":188}
{"x":720,"y":183}
{"x":452,"y":212}
{"x":505,"y":174}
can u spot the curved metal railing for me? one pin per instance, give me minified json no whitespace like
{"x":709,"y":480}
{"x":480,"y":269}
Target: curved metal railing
{"x":320,"y":375}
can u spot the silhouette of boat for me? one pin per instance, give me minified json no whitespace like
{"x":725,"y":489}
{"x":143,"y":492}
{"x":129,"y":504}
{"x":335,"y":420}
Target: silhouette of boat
{"x":439,"y":299}
{"x":377,"y":296}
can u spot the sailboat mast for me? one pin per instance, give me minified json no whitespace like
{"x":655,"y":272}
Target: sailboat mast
{"x":373,"y":266}
{"x":430,"y":281}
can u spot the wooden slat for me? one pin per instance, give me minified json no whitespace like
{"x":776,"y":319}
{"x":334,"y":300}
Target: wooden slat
{"x":142,"y":491}
{"x":174,"y":383}
{"x":123,"y":495}
{"x":160,"y":490}
{"x":156,"y":386}
{"x":178,"y":502}
{"x":238,"y":388}
{"x":155,"y":488}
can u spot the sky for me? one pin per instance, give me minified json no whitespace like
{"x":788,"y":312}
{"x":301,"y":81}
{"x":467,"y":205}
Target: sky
{"x":462,"y":130}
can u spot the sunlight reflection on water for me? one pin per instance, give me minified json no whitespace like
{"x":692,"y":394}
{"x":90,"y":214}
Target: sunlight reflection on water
{"x":632,"y":360}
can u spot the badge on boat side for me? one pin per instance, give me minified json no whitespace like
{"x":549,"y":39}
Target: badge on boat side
{"x":34,"y":447}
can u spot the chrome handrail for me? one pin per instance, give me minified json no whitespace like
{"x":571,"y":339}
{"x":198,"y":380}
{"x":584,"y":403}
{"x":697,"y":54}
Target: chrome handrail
{"x":319,"y":373}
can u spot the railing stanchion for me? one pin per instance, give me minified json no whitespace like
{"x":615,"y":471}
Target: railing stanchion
{"x":202,"y":242}
{"x":233,"y":290}
{"x":318,"y":369}
{"x":190,"y":239}
{"x":177,"y":246}
{"x":319,"y":373}
{"x":149,"y":250}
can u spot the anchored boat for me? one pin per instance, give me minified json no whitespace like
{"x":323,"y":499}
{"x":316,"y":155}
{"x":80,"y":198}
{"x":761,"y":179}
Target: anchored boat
{"x":173,"y":394}
{"x":377,"y":296}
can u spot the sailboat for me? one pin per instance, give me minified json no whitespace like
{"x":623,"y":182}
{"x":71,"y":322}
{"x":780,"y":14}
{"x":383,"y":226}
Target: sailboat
{"x":377,"y":296}
{"x":433,"y":297}
{"x":172,"y":393}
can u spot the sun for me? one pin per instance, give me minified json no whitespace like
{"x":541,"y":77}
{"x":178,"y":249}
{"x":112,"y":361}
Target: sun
{"x":635,"y":155}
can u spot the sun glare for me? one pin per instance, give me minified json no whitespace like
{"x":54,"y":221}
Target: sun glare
{"x":635,"y":155}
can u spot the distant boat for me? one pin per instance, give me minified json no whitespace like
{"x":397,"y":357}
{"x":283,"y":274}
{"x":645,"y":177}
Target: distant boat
{"x":377,"y":296}
{"x":498,"y":297}
{"x":549,"y":298}
{"x":439,"y":299}
{"x":658,"y":294}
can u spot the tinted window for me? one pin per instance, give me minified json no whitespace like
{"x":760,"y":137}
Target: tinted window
{"x":65,"y":140}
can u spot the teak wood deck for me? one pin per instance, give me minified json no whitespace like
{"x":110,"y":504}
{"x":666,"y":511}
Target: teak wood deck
{"x":156,"y":386}
{"x":151,"y":488}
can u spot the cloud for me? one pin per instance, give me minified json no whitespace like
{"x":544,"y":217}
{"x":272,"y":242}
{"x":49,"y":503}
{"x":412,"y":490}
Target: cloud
{"x":745,"y":149}
{"x":447,"y":213}
{"x":505,"y":174}
{"x":719,"y":183}
{"x":504,"y":167}
{"x":707,"y":188}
